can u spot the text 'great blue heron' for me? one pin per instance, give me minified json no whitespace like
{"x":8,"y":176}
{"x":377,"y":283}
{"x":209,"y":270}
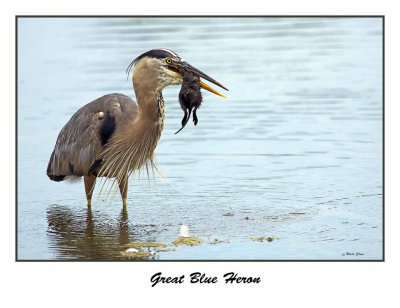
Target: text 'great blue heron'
{"x":113,"y":136}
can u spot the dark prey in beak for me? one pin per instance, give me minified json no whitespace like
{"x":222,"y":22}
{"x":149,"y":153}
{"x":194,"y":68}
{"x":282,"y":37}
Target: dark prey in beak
{"x":189,"y":96}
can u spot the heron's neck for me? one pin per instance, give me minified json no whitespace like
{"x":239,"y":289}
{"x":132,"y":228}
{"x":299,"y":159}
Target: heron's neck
{"x":151,"y":107}
{"x":136,"y":143}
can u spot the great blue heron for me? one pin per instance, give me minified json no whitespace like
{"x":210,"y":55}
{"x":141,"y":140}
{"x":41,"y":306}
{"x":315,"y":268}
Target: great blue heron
{"x":113,"y":136}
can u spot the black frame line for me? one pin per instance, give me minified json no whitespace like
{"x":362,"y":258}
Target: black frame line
{"x":202,"y":16}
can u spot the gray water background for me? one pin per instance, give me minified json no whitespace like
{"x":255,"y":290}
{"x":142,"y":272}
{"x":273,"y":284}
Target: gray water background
{"x":294,"y":153}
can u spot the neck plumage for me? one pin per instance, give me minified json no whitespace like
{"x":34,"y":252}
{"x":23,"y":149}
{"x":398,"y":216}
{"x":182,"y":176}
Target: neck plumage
{"x":134,"y":146}
{"x":151,"y":110}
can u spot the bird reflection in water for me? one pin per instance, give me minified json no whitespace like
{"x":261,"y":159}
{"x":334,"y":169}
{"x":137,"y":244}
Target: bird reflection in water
{"x":87,"y":235}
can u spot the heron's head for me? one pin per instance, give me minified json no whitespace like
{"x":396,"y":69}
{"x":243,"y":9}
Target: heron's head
{"x":159,"y":68}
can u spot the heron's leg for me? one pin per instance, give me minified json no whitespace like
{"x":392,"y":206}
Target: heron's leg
{"x":123,"y":188}
{"x":89,"y":187}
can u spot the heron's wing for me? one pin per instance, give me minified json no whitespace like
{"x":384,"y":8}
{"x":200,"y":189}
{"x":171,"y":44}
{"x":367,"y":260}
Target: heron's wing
{"x":83,"y":138}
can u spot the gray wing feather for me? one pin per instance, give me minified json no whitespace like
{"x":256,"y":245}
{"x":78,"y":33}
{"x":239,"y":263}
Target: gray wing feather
{"x":79,"y":143}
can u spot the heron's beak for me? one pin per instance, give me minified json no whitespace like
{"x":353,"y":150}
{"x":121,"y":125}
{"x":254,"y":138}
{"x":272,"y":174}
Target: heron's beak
{"x":200,"y":74}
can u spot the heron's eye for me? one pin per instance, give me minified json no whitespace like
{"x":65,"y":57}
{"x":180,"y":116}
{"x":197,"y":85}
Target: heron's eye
{"x":168,"y":60}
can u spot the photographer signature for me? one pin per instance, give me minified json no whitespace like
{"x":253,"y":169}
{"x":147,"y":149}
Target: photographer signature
{"x":356,"y":254}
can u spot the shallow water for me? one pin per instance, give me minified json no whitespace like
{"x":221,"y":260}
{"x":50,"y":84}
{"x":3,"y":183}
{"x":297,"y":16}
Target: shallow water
{"x":294,"y":153}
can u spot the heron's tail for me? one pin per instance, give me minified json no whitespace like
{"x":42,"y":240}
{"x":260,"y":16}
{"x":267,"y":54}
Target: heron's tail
{"x":51,"y":170}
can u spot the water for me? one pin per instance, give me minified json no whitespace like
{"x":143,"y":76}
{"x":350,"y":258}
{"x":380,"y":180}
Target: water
{"x":295,"y":153}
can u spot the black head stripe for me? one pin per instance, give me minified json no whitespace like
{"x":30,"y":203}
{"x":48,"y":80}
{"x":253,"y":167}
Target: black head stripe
{"x":160,"y":53}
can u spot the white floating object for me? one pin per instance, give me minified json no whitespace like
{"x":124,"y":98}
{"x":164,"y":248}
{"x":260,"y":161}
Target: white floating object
{"x":131,"y":250}
{"x":184,"y":231}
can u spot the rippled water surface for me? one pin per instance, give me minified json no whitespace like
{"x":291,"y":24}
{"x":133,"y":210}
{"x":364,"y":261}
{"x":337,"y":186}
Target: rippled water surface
{"x":294,"y":153}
